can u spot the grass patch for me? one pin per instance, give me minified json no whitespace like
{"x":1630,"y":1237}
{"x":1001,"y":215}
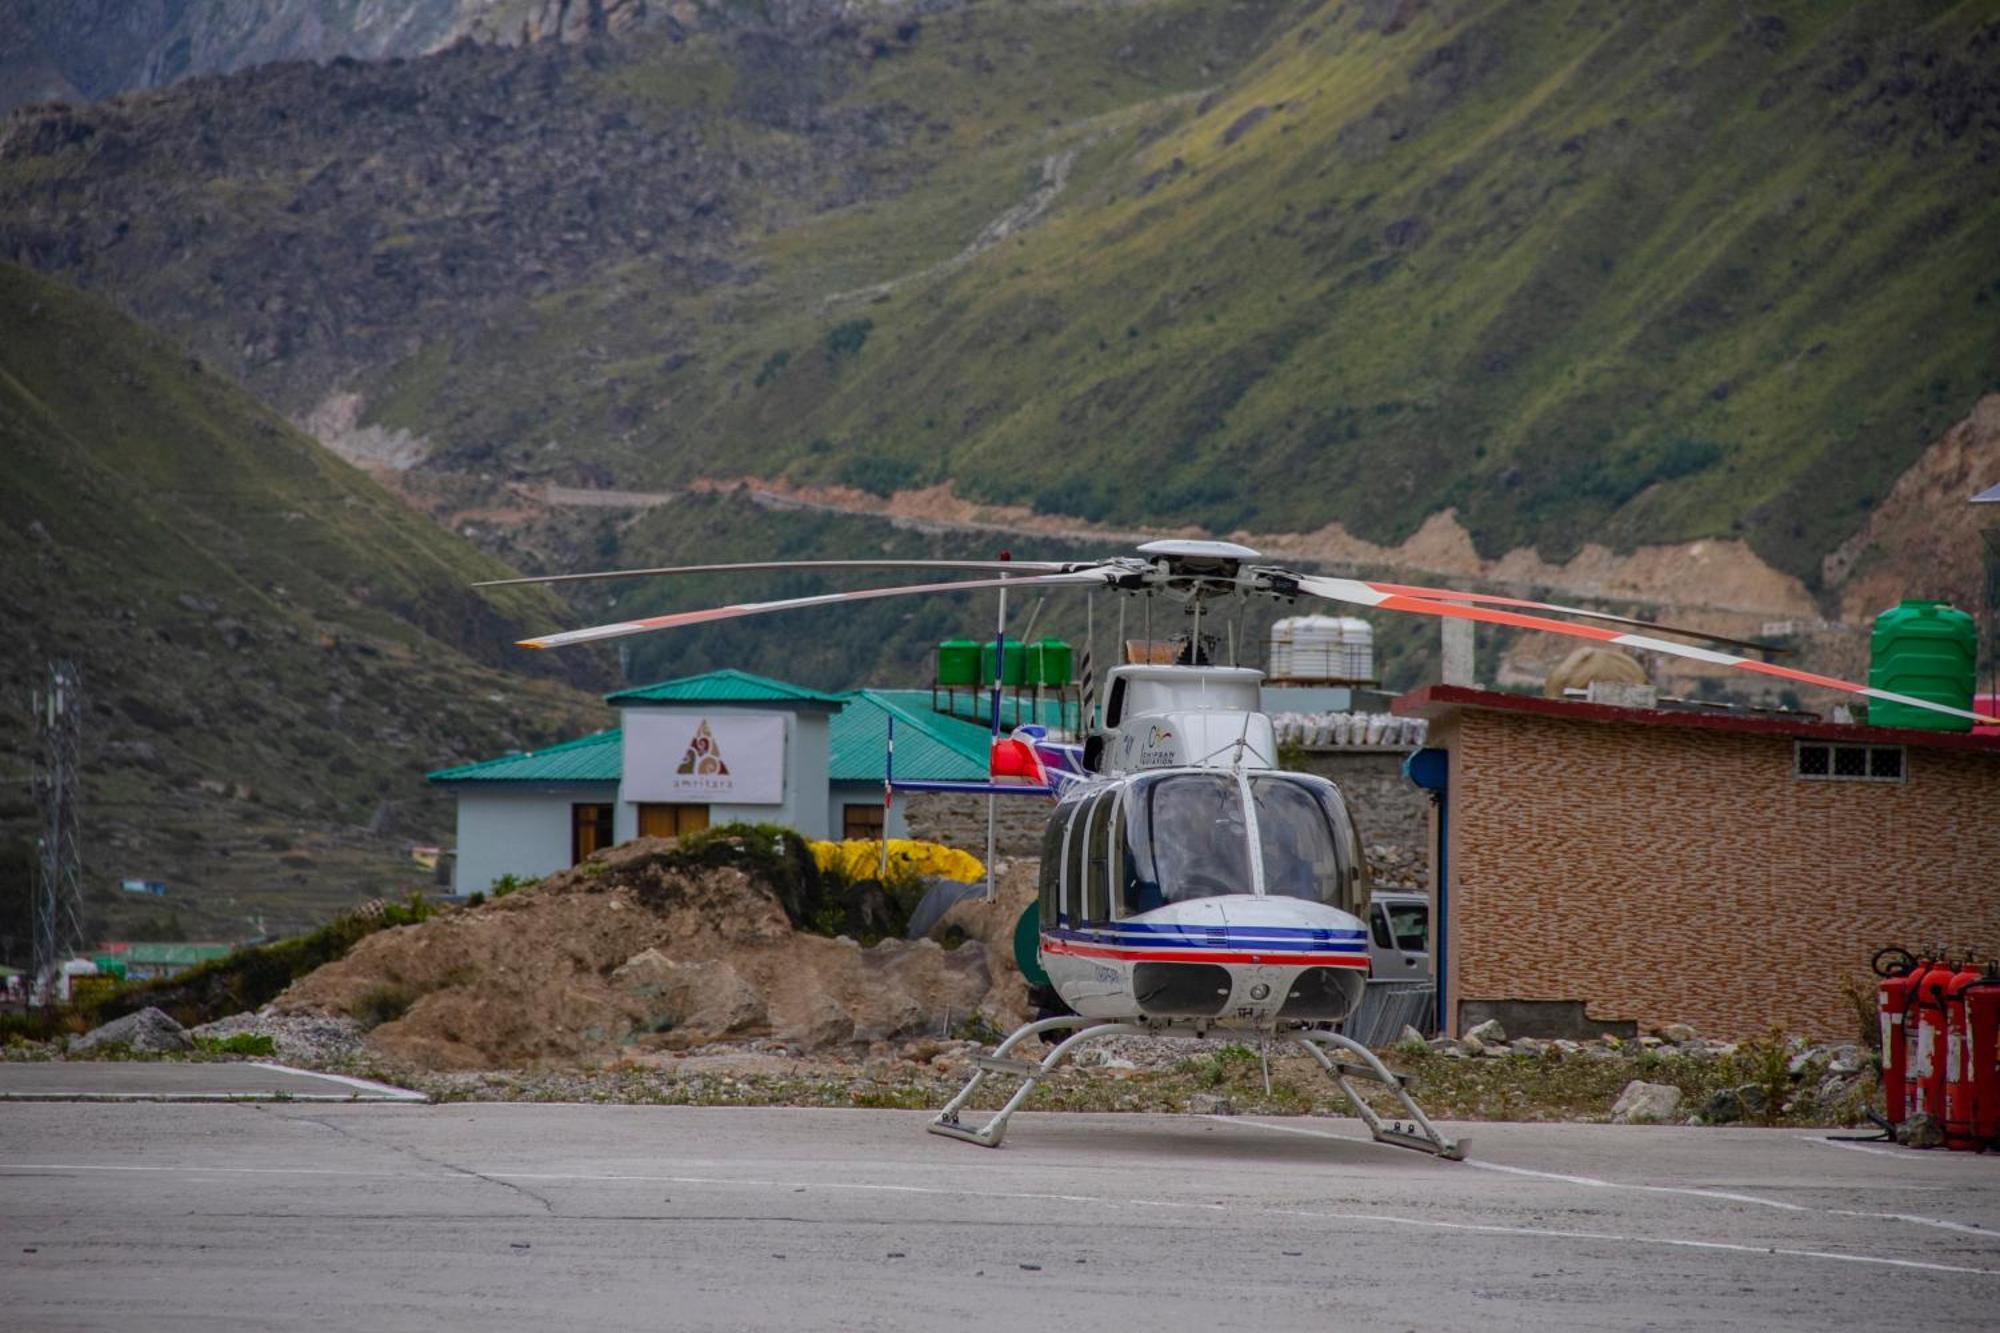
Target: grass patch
{"x":382,"y":1004}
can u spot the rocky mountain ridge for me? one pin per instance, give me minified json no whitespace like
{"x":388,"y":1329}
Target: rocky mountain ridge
{"x":1367,"y":274}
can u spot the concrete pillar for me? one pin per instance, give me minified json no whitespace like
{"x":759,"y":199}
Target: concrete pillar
{"x":1457,"y":664}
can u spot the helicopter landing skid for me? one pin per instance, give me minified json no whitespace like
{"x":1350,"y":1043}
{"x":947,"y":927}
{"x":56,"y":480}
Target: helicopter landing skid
{"x":1030,"y":1072}
{"x":1422,"y":1135}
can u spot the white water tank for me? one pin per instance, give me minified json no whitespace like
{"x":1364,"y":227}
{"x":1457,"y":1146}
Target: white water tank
{"x":1322,"y":648}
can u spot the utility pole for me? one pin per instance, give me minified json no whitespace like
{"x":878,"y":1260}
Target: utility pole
{"x":59,"y":865}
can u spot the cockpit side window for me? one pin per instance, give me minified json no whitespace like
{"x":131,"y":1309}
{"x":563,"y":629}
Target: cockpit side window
{"x":1303,"y":852}
{"x":1073,"y":858}
{"x":1051,"y":876}
{"x":1097,"y":886}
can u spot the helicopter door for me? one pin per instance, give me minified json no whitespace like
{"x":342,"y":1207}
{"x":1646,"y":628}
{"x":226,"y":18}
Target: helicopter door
{"x":1070,"y":893}
{"x":1097,"y":859}
{"x":1051,"y":870}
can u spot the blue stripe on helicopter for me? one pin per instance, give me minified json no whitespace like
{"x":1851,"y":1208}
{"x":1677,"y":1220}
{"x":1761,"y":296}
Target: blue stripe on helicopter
{"x":1154,"y":930}
{"x":1231,"y":941}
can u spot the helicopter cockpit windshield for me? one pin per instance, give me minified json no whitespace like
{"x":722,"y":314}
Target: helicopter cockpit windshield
{"x":1188,"y":835}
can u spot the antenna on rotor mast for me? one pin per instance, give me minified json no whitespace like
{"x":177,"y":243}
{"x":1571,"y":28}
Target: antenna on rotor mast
{"x":58,"y":914}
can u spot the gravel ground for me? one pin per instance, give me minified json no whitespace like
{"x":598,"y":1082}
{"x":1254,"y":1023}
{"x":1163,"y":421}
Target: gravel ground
{"x":319,"y":1043}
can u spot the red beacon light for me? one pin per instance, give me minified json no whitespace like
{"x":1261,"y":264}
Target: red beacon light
{"x":1013,"y":760}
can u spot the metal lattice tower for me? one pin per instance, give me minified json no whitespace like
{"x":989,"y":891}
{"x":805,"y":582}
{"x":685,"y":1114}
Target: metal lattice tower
{"x":59,"y":864}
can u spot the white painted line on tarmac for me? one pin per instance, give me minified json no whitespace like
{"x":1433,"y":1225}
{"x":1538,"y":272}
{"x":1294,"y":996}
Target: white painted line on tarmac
{"x":807,"y":1186}
{"x":382,"y":1090}
{"x":1492,"y":1228}
{"x":1595,"y":1182}
{"x":222,"y":1170}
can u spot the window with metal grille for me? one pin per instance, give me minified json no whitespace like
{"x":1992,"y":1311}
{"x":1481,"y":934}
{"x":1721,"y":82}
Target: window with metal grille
{"x":1821,"y":761}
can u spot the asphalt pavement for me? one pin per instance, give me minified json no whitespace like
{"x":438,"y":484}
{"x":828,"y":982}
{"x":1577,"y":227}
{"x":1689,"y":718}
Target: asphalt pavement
{"x":325,"y":1215}
{"x":184,"y":1081}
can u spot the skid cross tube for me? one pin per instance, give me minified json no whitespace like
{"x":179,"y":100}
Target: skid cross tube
{"x":1422,"y":1134}
{"x":1360,"y":1062}
{"x":1031,"y":1073}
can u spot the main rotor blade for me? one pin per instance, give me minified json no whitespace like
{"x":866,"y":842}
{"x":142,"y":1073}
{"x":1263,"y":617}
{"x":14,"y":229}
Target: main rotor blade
{"x":1494,"y":599}
{"x":1357,"y":593}
{"x":1025,"y":566}
{"x":1090,"y":576}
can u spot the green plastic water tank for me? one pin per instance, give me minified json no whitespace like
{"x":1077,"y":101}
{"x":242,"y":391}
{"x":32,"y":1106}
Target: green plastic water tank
{"x":958,"y":662}
{"x":1928,"y":650}
{"x":1049,"y":662}
{"x":1013,"y":665}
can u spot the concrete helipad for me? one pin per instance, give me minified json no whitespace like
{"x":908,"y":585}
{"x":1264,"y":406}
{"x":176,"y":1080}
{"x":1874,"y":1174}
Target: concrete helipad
{"x":524,"y":1216}
{"x":207,"y":1081}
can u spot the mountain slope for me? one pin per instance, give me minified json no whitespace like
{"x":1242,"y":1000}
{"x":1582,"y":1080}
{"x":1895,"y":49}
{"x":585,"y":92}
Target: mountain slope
{"x":87,"y":49}
{"x":1579,"y":271}
{"x":273,"y":649}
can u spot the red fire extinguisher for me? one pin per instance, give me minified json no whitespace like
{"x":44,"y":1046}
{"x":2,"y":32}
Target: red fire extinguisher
{"x":1926,"y":1023}
{"x":1892,"y":1003}
{"x":1982,"y":1027}
{"x":1910,"y":1034}
{"x":1958,"y":1084}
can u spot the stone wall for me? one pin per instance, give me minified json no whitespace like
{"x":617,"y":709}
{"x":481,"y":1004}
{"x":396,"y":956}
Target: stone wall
{"x":1392,"y":813}
{"x":958,"y":819}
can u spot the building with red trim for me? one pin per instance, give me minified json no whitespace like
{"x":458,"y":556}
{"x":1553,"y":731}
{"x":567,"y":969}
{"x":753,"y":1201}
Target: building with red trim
{"x":1736,"y":872}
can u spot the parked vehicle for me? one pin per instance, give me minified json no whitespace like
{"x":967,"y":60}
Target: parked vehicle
{"x":1399,"y":929}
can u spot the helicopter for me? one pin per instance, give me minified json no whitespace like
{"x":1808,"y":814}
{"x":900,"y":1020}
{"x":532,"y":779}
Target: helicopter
{"x":1189,"y":886}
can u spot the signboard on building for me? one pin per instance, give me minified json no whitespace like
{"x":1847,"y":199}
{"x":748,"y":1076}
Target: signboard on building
{"x":721,"y":757}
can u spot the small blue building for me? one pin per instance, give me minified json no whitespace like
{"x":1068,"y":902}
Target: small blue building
{"x":717,"y":748}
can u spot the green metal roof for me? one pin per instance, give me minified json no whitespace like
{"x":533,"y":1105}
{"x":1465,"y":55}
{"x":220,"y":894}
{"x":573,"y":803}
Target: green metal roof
{"x":929,"y":746}
{"x":598,"y":758}
{"x":728,"y":686}
{"x":171,"y":955}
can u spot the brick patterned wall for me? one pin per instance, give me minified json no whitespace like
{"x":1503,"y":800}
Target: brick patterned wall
{"x":1673,"y":875}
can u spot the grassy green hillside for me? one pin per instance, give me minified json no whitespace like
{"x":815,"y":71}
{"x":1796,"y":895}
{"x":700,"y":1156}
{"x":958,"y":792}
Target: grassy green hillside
{"x":1582,"y":270}
{"x":274,"y":649}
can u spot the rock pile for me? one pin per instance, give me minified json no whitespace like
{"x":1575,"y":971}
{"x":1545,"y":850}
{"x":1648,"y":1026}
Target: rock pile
{"x":148,"y":1032}
{"x":637,"y":953}
{"x":1829,"y":1082}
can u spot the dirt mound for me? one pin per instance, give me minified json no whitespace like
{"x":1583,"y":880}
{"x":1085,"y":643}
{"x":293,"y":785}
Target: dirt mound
{"x":642,"y":951}
{"x":1586,"y":666}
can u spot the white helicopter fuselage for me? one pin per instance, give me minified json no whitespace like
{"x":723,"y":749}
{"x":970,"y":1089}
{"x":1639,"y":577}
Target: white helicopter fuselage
{"x":1236,"y":960}
{"x":1193,"y":883}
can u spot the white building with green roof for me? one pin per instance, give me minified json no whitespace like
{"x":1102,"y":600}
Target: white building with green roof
{"x":718,"y":748}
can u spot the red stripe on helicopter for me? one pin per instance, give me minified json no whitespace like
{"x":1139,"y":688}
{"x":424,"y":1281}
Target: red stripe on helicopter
{"x":1123,"y":954}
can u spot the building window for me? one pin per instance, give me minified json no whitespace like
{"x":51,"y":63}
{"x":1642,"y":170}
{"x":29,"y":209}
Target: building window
{"x":661,"y":820}
{"x":1821,"y":761}
{"x":589,"y":831}
{"x":861,"y":822}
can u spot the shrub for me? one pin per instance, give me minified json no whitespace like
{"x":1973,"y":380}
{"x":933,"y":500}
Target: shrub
{"x":382,"y":1004}
{"x":846,"y":339}
{"x":507,"y":884}
{"x":241,"y":1043}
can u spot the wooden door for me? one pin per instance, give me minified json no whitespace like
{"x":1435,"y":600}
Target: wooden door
{"x":661,"y":820}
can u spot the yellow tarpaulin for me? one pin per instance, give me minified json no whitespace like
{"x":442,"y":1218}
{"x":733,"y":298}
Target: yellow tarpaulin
{"x":858,"y":858}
